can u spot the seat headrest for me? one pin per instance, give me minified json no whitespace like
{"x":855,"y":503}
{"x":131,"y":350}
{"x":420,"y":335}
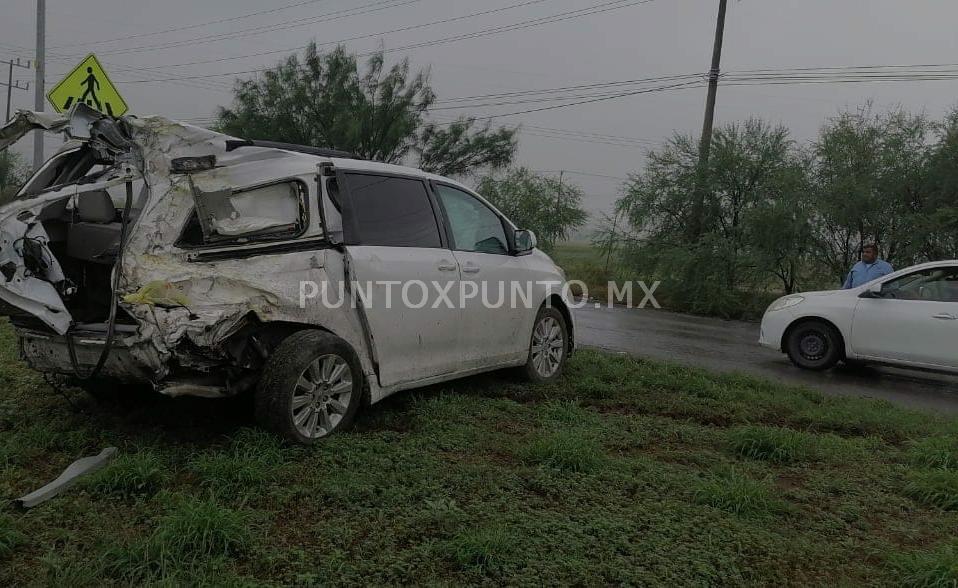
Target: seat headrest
{"x":96,"y":207}
{"x":55,"y":211}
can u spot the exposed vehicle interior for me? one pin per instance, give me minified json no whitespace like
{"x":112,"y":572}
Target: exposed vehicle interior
{"x":84,"y":233}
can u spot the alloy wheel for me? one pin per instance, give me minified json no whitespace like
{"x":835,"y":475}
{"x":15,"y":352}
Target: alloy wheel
{"x":322,"y":396}
{"x":548,"y":347}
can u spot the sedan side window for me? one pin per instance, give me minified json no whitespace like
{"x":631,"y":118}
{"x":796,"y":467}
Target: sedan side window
{"x":475,"y":227}
{"x":390,"y":212}
{"x":937,"y":285}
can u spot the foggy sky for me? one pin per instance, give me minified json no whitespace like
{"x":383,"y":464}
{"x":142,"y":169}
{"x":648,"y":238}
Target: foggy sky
{"x":660,"y":38}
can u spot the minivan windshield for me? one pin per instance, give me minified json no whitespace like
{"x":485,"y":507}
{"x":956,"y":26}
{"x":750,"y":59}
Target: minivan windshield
{"x":66,"y":168}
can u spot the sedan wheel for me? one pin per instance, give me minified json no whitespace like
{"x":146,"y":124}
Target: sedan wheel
{"x":814,"y":345}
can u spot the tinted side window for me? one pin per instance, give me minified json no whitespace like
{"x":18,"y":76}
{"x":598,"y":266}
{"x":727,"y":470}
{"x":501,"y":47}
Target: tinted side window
{"x":391,"y":212}
{"x":475,"y":227}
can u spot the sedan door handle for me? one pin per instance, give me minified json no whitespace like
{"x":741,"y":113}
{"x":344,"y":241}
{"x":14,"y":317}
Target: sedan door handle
{"x":945,"y":317}
{"x":470,"y":268}
{"x":446,"y":266}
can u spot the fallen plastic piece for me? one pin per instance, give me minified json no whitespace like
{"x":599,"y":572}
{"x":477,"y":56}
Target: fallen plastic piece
{"x":69,"y":476}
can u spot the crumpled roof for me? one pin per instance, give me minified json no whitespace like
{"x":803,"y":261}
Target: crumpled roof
{"x":26,"y":121}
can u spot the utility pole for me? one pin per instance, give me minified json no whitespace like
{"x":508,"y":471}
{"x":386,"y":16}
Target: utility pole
{"x":11,"y":86}
{"x":39,"y":85}
{"x":705,"y":146}
{"x":713,"y":83}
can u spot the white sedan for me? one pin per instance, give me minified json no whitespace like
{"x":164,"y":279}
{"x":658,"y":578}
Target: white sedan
{"x":908,"y":319}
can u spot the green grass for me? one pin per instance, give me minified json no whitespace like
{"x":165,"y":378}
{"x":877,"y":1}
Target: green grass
{"x":935,"y":452}
{"x":624,"y":472}
{"x":936,"y":568}
{"x":196,"y":534}
{"x":483,"y":550}
{"x":250,"y":461}
{"x":10,"y":537}
{"x":787,"y":446}
{"x":936,"y":488}
{"x":564,"y":450}
{"x":738,"y":494}
{"x":131,"y":474}
{"x":772,"y":444}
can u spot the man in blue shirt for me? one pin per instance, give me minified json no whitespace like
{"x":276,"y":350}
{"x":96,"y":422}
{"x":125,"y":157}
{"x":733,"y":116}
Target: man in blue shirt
{"x":870,"y":268}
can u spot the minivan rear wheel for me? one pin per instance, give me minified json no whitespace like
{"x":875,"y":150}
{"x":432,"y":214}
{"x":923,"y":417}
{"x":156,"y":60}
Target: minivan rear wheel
{"x":548,"y":347}
{"x":310,"y":388}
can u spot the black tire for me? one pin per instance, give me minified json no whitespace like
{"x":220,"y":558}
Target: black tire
{"x":306,"y":354}
{"x":532,"y":370}
{"x":814,"y":345}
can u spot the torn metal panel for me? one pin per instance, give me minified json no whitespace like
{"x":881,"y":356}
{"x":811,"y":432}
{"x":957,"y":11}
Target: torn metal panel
{"x":80,"y":123}
{"x":69,"y":477}
{"x":25,"y":121}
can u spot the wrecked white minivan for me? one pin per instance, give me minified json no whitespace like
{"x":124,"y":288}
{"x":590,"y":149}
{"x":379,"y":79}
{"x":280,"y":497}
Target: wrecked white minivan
{"x":149,"y":251}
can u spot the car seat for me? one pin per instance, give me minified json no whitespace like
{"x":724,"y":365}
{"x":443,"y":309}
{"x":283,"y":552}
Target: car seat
{"x":95,"y":235}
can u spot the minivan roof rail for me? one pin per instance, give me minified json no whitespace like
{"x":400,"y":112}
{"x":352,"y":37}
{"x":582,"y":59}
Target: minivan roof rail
{"x":308,"y":150}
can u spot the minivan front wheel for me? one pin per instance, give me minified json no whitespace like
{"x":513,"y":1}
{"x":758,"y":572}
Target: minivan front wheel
{"x":310,"y":388}
{"x":549,"y":346}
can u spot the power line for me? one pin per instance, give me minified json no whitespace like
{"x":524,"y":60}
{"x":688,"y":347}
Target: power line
{"x":829,"y":75}
{"x":213,"y":85}
{"x":360,"y":37}
{"x":74,"y":57}
{"x":591,"y":134}
{"x":580,"y":173}
{"x":583,"y":139}
{"x":590,"y":86}
{"x":843,"y":67}
{"x":581,"y":136}
{"x":191,"y":26}
{"x":563,"y":16}
{"x":783,"y":78}
{"x":263,"y":29}
{"x":530,"y":130}
{"x":539,"y":100}
{"x":599,"y":99}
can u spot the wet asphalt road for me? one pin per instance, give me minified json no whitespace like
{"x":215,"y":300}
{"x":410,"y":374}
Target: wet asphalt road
{"x":732,"y":346}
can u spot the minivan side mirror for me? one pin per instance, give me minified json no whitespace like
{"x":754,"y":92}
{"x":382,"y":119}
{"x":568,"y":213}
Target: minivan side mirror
{"x":525,"y":241}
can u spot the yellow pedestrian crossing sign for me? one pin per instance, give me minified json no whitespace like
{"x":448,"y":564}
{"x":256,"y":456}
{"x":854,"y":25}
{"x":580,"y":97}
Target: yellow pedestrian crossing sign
{"x":88,"y":83}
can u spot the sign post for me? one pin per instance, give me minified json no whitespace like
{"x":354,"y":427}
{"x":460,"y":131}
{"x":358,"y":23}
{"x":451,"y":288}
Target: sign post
{"x":89,"y":84}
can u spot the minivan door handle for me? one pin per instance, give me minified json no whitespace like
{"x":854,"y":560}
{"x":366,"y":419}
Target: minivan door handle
{"x":945,"y":317}
{"x":447,"y":266}
{"x":470,"y":268}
